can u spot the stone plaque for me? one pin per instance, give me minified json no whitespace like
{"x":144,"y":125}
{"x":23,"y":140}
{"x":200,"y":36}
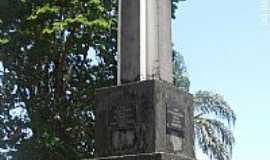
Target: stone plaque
{"x":122,"y":122}
{"x":123,"y":116}
{"x":175,"y":122}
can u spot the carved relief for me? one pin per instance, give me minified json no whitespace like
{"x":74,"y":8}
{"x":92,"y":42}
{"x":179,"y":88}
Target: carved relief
{"x":123,"y":116}
{"x":123,"y":139}
{"x":122,"y":123}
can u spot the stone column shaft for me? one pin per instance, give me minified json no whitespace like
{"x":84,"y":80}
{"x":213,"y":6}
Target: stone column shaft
{"x":144,"y":40}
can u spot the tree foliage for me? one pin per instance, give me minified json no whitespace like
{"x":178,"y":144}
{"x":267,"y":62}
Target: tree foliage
{"x":213,"y":121}
{"x":175,"y":6}
{"x":54,"y":54}
{"x":180,"y":77}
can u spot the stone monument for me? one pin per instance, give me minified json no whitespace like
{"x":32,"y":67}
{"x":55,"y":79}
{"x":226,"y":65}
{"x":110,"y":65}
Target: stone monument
{"x":144,"y":117}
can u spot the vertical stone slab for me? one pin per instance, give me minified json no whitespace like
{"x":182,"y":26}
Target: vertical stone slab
{"x":129,"y":41}
{"x":164,"y":39}
{"x":158,"y":40}
{"x":145,"y":41}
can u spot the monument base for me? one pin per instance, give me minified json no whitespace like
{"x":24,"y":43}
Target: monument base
{"x":144,"y":117}
{"x":147,"y":156}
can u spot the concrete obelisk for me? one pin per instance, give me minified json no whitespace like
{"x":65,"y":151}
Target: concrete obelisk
{"x":144,"y":117}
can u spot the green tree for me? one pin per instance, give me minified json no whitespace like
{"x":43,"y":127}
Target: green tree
{"x":174,"y":7}
{"x":213,"y":116}
{"x":48,"y":74}
{"x":180,"y":77}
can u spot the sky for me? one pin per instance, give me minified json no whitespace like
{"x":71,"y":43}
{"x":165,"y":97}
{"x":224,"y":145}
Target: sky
{"x":226,"y":46}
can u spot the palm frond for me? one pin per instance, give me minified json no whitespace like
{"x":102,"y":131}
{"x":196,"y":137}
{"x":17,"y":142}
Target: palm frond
{"x":214,"y":138}
{"x":208,"y":103}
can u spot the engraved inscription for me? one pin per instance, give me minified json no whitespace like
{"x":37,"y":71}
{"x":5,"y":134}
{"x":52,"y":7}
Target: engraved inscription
{"x":122,"y":122}
{"x":123,"y":116}
{"x":175,"y":121}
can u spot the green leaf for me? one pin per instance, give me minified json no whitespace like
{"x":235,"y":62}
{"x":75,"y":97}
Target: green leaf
{"x":4,"y":41}
{"x":46,"y":9}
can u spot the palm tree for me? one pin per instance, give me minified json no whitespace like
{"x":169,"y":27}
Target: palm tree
{"x":213,"y":120}
{"x":213,"y":117}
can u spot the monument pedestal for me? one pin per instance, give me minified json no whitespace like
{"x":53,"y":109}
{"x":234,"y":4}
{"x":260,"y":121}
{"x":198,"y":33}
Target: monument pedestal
{"x":142,"y":118}
{"x":147,"y":120}
{"x":148,"y":156}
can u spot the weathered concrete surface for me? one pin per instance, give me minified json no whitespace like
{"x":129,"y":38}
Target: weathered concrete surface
{"x":145,"y":41}
{"x":158,"y":40}
{"x":148,"y":156}
{"x":143,"y":117}
{"x":129,"y":41}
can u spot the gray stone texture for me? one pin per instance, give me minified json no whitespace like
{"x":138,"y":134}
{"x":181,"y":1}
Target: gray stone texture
{"x":144,"y":117}
{"x":129,"y":41}
{"x":157,"y":42}
{"x":148,"y":156}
